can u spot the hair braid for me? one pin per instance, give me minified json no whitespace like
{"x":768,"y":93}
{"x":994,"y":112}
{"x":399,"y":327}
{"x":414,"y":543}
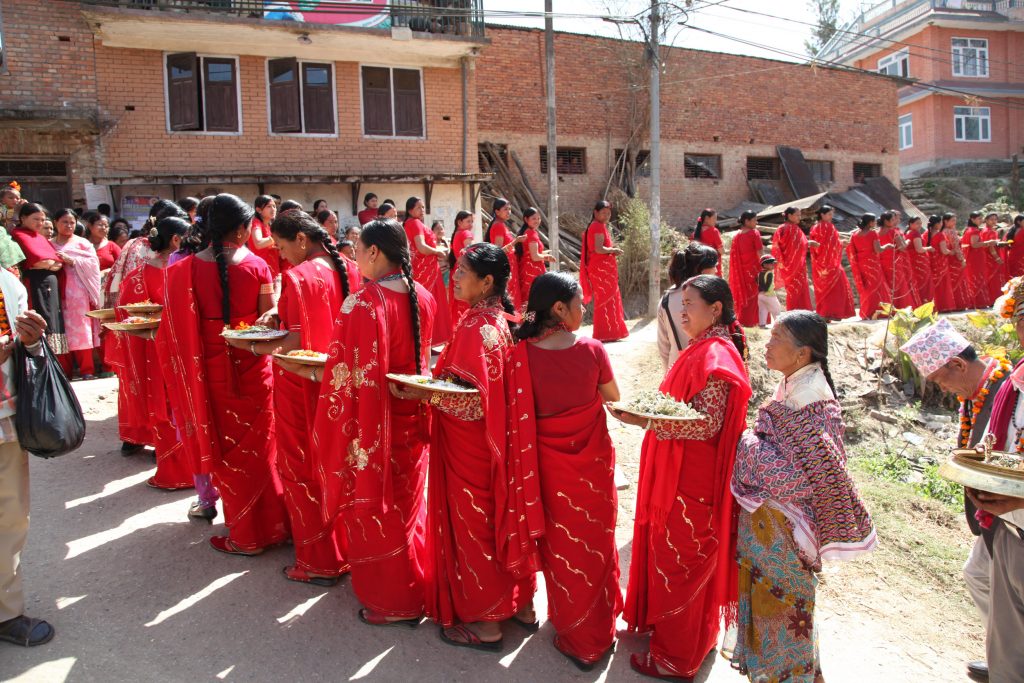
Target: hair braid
{"x":339,"y":263}
{"x":222,"y":268}
{"x":414,"y":310}
{"x":828,"y":375}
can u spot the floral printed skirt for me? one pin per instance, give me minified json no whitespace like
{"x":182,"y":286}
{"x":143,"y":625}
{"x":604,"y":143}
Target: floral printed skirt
{"x":775,"y":640}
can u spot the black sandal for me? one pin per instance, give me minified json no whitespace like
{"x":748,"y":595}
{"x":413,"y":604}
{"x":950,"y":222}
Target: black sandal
{"x":26,"y":631}
{"x":470,"y":639}
{"x":528,"y":626}
{"x":367,"y":617}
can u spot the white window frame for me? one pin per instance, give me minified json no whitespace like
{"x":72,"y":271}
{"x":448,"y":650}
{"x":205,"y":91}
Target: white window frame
{"x":202,"y":73}
{"x":905,"y":123}
{"x":897,"y":59}
{"x":981,"y":57}
{"x":423,"y":102}
{"x":302,"y":101}
{"x":984,"y":114}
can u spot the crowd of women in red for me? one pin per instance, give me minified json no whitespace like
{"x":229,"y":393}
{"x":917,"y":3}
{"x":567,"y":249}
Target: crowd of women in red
{"x":890,"y":264}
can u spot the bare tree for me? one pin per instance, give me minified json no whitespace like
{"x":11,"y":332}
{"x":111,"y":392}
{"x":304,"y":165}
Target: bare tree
{"x":827,"y":14}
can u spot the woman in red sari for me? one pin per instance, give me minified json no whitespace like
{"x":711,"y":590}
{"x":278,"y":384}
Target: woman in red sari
{"x":963,"y":288}
{"x":149,"y":408}
{"x":831,"y":288}
{"x":1015,"y":252}
{"x":499,"y":234}
{"x":226,"y":393}
{"x":369,"y":212}
{"x":744,"y":265}
{"x":311,"y":294}
{"x":42,"y":272}
{"x":895,"y":265}
{"x":425,"y":267}
{"x":369,"y":449}
{"x":599,"y":277}
{"x":564,"y":381}
{"x":995,"y":258}
{"x":533,"y":260}
{"x":789,"y":247}
{"x":96,"y":229}
{"x":483,"y":498}
{"x":919,"y":254}
{"x":706,"y":232}
{"x":462,"y":237}
{"x":979,"y":263}
{"x":863,"y":251}
{"x":683,"y":576}
{"x":942,"y":252}
{"x":261,"y":243}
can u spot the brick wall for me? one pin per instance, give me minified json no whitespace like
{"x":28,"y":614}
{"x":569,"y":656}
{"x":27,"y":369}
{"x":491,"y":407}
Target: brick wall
{"x":712,"y":103}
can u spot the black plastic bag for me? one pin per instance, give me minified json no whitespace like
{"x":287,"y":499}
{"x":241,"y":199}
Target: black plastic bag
{"x":48,"y":417}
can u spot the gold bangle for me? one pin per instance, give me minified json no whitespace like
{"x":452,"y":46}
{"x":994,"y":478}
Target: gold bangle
{"x":648,"y":425}
{"x":312,"y":375}
{"x":252,"y":348}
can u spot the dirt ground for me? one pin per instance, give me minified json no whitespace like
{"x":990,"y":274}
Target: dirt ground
{"x":136,"y":594}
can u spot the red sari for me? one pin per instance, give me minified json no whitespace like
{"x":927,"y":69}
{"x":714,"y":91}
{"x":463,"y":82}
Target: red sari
{"x":564,"y":416}
{"x":530,"y":270}
{"x":831,"y":288}
{"x":920,"y":268}
{"x":895,"y":269}
{"x":310,"y":300}
{"x":370,"y":448}
{"x":995,"y":273}
{"x":942,"y":288}
{"x":224,"y":393}
{"x":975,"y":271}
{"x":744,"y":265}
{"x":427,"y":271}
{"x":599,"y":278}
{"x":710,"y":236}
{"x":366,"y":215}
{"x":963,"y":289}
{"x":483,"y":496}
{"x":108,"y":255}
{"x":866,"y":266}
{"x":147,"y":413}
{"x":461,"y":240}
{"x":683,"y":575}
{"x":789,"y":247}
{"x":497,"y":230}
{"x":1015,"y":255}
{"x":270,"y":255}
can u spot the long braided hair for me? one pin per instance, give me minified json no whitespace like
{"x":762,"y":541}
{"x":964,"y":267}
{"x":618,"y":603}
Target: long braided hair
{"x":389,"y":236}
{"x":809,"y":329}
{"x":288,"y":226}
{"x":484,"y":259}
{"x":226,"y":213}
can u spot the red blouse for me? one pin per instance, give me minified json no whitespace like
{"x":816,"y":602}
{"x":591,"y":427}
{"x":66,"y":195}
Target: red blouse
{"x":246,"y":281}
{"x":108,"y":254}
{"x":564,"y":379}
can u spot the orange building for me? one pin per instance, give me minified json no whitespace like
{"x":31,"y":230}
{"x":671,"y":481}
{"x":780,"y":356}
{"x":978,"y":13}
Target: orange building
{"x":962,"y":73}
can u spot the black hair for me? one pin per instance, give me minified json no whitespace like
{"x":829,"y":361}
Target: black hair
{"x":484,"y":259}
{"x":948,"y":216}
{"x":90,"y":217}
{"x":225,"y":214}
{"x":972,"y":217}
{"x":384,"y":208}
{"x":699,"y":227}
{"x":459,"y":217}
{"x":115,"y":231}
{"x":531,"y":211}
{"x":746,"y":216}
{"x":288,"y":205}
{"x":345,"y":243}
{"x":1018,"y":220}
{"x":822,"y":210}
{"x":289,"y":224}
{"x":28,"y":209}
{"x":886,"y":217}
{"x":80,"y":230}
{"x":411,"y":203}
{"x":322,"y":216}
{"x":64,"y":212}
{"x":435,"y":223}
{"x":351,"y":228}
{"x":316,"y":203}
{"x":970,"y":354}
{"x":160,"y":206}
{"x":164,"y":231}
{"x":690,"y":262}
{"x":390,"y":201}
{"x":188,"y":204}
{"x":809,"y":329}
{"x":260,"y":202}
{"x":103,"y":208}
{"x":547,"y":290}
{"x":992,"y":213}
{"x":912,"y":220}
{"x":367,"y":197}
{"x":498,"y":204}
{"x":601,"y":205}
{"x":790,"y":211}
{"x":120,"y":222}
{"x":866,"y":220}
{"x":713,"y":289}
{"x":933,"y":220}
{"x":388,"y":235}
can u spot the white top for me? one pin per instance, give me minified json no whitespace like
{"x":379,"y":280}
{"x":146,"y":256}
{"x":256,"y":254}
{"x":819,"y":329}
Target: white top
{"x":1017,"y":516}
{"x":805,"y":386}
{"x":666,"y":323}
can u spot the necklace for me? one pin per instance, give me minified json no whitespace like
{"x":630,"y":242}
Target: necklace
{"x":560,"y":327}
{"x":971,"y":407}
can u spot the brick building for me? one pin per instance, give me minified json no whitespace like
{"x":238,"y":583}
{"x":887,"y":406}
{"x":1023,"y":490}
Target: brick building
{"x":963,"y":98}
{"x":722,"y":118}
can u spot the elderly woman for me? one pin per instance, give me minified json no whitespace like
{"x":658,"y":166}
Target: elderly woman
{"x":798,"y":507}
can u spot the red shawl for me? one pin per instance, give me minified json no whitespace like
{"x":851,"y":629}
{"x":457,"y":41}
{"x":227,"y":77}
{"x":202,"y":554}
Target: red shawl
{"x":789,"y":247}
{"x":744,"y":265}
{"x":479,"y":354}
{"x":831,"y":288}
{"x":36,"y":247}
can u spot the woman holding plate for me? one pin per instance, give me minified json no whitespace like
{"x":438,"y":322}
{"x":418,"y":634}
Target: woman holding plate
{"x":369,"y":449}
{"x":311,"y":295}
{"x":225,"y":391}
{"x":683,"y":577}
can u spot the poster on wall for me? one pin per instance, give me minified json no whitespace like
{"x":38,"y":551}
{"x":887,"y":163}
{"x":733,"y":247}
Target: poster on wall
{"x":364,"y":13}
{"x":135,"y":209}
{"x":96,"y":195}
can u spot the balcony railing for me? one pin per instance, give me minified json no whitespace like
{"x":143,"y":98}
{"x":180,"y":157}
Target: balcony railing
{"x":450,"y":17}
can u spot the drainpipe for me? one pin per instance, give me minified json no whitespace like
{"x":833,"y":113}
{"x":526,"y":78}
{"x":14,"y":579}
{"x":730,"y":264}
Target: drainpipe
{"x":464,"y":66}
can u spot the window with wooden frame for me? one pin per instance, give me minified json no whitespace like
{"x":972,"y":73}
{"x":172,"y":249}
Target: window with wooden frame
{"x":702,"y":166}
{"x":863,"y":171}
{"x":301,"y":96}
{"x":568,"y":160}
{"x":763,"y":168}
{"x":202,"y":93}
{"x":822,"y":171}
{"x":392,"y":102}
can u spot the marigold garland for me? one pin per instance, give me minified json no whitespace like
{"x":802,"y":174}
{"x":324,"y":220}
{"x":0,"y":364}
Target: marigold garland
{"x":974,"y":405}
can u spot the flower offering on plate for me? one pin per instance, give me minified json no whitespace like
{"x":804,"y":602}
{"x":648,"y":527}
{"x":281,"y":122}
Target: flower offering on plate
{"x":304,"y":357}
{"x":655,"y":405}
{"x":101,"y":314}
{"x":142,"y":307}
{"x":254,"y":333}
{"x":430,"y":384}
{"x":134,"y":323}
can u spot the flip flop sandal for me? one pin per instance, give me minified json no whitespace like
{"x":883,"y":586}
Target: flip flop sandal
{"x":528,"y":626}
{"x":645,"y":666}
{"x":26,"y":631}
{"x":372,"y":619}
{"x":300,"y":576}
{"x":579,"y":663}
{"x":225,"y":545}
{"x":469,"y":639}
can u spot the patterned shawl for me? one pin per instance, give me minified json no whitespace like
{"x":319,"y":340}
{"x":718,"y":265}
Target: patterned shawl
{"x":86,"y":270}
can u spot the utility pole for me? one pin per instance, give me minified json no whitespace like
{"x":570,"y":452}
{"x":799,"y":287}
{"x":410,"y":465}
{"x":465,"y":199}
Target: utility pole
{"x":654,"y":277}
{"x":549,"y":54}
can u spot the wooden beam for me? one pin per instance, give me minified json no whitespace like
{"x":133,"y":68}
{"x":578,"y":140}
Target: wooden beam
{"x":356,"y":186}
{"x":428,"y":190}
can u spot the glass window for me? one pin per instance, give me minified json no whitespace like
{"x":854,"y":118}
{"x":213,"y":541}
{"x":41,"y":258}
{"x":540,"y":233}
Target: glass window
{"x":896,"y":64}
{"x":972,"y":124}
{"x":970,"y":57}
{"x":906,"y":124}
